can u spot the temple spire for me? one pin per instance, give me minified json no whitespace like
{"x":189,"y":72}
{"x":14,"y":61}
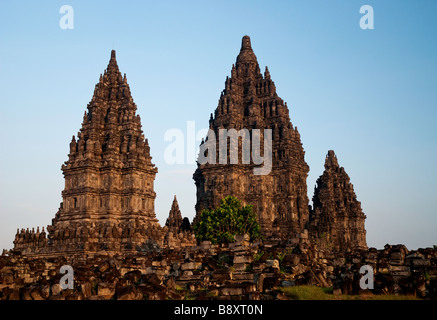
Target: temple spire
{"x":246,"y":54}
{"x":245,"y":43}
{"x":174,"y":220}
{"x":331,"y":160}
{"x":336,"y":211}
{"x":113,"y":66}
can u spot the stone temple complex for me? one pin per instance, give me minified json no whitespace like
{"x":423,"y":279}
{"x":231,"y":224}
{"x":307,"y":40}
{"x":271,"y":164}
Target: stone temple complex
{"x":106,"y":228}
{"x":109,"y":199}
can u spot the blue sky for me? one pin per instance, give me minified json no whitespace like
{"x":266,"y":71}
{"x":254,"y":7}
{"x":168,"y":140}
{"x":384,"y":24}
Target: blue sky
{"x":370,"y":95}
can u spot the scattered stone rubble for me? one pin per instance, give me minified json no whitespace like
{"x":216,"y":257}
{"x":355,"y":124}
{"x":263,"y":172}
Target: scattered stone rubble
{"x":240,"y":270}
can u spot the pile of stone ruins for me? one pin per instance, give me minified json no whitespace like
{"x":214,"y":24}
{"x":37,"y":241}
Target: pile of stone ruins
{"x":106,"y":227}
{"x":240,"y":270}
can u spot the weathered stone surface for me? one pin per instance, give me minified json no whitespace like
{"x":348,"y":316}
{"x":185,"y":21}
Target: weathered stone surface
{"x":243,"y":259}
{"x":272,"y":264}
{"x":106,"y":290}
{"x":128,"y":293}
{"x":190,"y":266}
{"x":133,"y":276}
{"x":56,"y":289}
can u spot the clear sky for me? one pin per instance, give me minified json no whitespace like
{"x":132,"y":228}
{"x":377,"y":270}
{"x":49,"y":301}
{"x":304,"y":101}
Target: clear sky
{"x":370,"y":95}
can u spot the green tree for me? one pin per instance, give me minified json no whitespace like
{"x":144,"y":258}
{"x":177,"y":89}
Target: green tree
{"x":221,"y":224}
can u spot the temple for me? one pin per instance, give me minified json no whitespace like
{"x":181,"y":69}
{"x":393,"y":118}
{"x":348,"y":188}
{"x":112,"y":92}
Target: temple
{"x":106,"y":228}
{"x":108,"y":199}
{"x":249,"y":101}
{"x":337,"y":220}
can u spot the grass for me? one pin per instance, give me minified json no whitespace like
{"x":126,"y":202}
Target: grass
{"x":306,"y":293}
{"x":318,"y":293}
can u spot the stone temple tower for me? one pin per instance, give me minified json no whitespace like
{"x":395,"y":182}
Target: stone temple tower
{"x":108,"y":199}
{"x":337,"y":220}
{"x":249,"y":101}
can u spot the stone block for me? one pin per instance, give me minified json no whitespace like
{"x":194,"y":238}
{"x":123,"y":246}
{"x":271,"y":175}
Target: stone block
{"x":397,"y":255}
{"x":86,"y":289}
{"x":220,"y":275}
{"x":244,"y":276}
{"x":205,"y":245}
{"x":287,"y":283}
{"x":45,"y":291}
{"x":340,"y":261}
{"x":356,"y":260}
{"x":421,"y":262}
{"x":56,"y":289}
{"x":272,"y":264}
{"x":25,"y":293}
{"x":243,"y":259}
{"x":231,"y":291}
{"x":128,"y":293}
{"x":240,"y":266}
{"x":36,"y":294}
{"x":133,"y":276}
{"x":8,"y":279}
{"x":239,"y":247}
{"x":14,"y":294}
{"x":74,"y":296}
{"x":399,"y":270}
{"x":191,"y":265}
{"x":106,"y":290}
{"x":29,"y":280}
{"x":156,"y":263}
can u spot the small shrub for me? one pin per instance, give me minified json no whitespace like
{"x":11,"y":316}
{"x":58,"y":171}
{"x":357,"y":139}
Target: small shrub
{"x":280,"y":256}
{"x":258,"y":255}
{"x":221,"y":224}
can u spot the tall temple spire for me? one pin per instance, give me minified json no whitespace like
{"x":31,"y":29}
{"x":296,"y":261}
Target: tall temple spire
{"x":109,"y":175}
{"x":246,"y":54}
{"x":174,"y":220}
{"x":249,"y":101}
{"x":113,"y":66}
{"x":337,"y":219}
{"x":331,"y":161}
